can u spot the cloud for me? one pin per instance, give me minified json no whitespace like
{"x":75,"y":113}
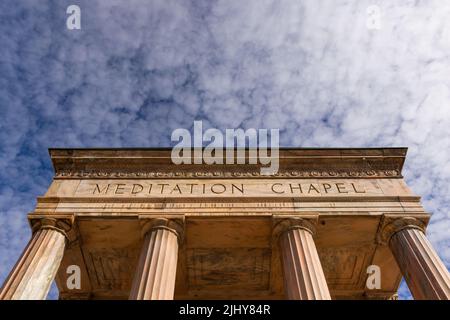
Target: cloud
{"x":139,"y":69}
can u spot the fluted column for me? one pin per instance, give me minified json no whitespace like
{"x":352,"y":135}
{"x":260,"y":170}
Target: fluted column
{"x":35,"y":271}
{"x":303,"y":275}
{"x":426,"y":275}
{"x":156,"y":271}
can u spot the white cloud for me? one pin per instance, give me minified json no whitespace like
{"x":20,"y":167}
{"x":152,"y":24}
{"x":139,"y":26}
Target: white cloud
{"x":139,"y":69}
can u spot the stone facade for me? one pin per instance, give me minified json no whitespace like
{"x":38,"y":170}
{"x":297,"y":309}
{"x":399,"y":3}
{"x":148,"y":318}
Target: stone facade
{"x":140,"y":227}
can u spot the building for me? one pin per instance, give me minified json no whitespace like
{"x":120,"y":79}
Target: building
{"x":132,"y":225}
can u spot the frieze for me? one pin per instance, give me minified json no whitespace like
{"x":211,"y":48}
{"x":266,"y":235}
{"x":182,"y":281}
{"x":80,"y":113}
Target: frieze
{"x":122,"y":174}
{"x":228,"y":188}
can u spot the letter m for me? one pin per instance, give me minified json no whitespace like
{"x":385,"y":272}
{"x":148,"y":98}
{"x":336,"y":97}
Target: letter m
{"x":99,"y":190}
{"x":241,"y":136}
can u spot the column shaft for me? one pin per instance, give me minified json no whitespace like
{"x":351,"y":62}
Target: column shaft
{"x":156,"y":272}
{"x":33,"y":274}
{"x":426,"y":275}
{"x":303,"y":275}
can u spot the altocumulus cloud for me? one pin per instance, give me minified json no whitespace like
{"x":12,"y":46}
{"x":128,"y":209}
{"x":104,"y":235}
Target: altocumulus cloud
{"x":139,"y":69}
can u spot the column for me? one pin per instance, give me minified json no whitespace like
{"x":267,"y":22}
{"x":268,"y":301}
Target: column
{"x":426,"y":275}
{"x":35,"y":271}
{"x":303,"y":275}
{"x":156,"y":271}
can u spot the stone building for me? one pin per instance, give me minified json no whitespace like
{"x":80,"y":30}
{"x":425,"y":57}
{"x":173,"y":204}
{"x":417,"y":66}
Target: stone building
{"x":132,"y":225}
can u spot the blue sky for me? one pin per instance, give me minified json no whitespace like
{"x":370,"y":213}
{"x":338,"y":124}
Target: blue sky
{"x":139,"y":69}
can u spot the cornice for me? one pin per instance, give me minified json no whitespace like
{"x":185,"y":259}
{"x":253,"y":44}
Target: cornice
{"x":293,"y":163}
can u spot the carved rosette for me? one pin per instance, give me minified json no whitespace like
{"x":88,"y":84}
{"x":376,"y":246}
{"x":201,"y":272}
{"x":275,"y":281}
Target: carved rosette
{"x":306,"y":173}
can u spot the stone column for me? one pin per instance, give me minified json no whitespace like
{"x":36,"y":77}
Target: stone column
{"x":156,"y":271}
{"x":303,"y":275}
{"x":35,"y":271}
{"x":426,"y":275}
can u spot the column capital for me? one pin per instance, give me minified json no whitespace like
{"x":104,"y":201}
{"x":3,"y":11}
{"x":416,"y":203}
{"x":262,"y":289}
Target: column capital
{"x":173,"y":224}
{"x":391,"y":224}
{"x":282,"y":224}
{"x":62,"y":224}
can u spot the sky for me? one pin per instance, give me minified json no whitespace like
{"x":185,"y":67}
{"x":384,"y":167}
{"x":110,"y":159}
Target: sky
{"x":327,"y":73}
